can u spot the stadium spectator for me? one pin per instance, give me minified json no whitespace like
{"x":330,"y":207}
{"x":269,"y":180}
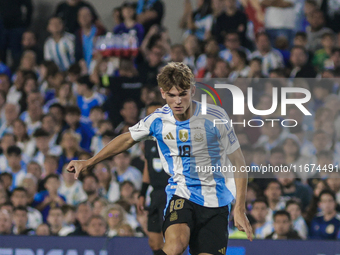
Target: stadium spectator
{"x":19,"y":198}
{"x":232,"y":19}
{"x":11,"y":114}
{"x":45,"y":200}
{"x":97,"y":115}
{"x":299,"y":224}
{"x":105,"y":127}
{"x":69,"y":213}
{"x":91,"y":187}
{"x":15,"y":166}
{"x":199,"y":21}
{"x":99,"y":206}
{"x":293,"y":188}
{"x":300,"y":66}
{"x":97,"y":226}
{"x":23,"y":141}
{"x":115,"y":217}
{"x":259,"y":211}
{"x":64,"y":96}
{"x":85,"y":36}
{"x":321,"y":55}
{"x":72,"y":118}
{"x":327,"y":223}
{"x":276,"y":201}
{"x":109,"y":187}
{"x":60,"y":46}
{"x":16,"y":17}
{"x":129,"y":22}
{"x":20,"y":218}
{"x":5,"y":223}
{"x":271,"y":58}
{"x":29,"y":41}
{"x":43,"y":230}
{"x":83,"y":214}
{"x":129,"y":112}
{"x":222,"y":69}
{"x":87,"y":98}
{"x":55,"y":221}
{"x":283,"y":227}
{"x":316,"y":30}
{"x":149,"y":13}
{"x":68,"y":12}
{"x":125,"y":230}
{"x":123,"y":171}
{"x":152,"y":65}
{"x":71,"y":189}
{"x":279,"y":19}
{"x":231,"y":43}
{"x":240,"y":65}
{"x":30,"y":183}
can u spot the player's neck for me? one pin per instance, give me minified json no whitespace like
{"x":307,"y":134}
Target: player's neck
{"x":187,"y":114}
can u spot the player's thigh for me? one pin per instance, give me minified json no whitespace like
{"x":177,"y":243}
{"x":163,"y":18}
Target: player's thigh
{"x":177,"y":238}
{"x":156,"y":241}
{"x":211,"y":238}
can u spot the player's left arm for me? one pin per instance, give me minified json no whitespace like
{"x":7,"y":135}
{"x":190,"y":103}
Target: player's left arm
{"x":241,"y":180}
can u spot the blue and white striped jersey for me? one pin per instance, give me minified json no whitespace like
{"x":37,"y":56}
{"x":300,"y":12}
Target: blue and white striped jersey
{"x":189,"y":148}
{"x":62,"y":52}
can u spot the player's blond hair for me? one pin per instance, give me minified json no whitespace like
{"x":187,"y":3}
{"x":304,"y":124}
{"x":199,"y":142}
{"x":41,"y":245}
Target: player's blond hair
{"x":175,"y":74}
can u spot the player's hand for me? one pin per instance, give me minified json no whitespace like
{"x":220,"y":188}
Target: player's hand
{"x":140,"y":205}
{"x":242,"y":223}
{"x":77,"y":166}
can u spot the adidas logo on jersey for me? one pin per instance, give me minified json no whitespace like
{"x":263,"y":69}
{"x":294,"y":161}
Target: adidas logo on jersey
{"x":169,"y":137}
{"x":223,"y":250}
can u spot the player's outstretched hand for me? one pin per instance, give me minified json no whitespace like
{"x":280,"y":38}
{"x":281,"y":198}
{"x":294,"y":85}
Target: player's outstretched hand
{"x":77,"y":166}
{"x":140,"y":205}
{"x":242,"y":223}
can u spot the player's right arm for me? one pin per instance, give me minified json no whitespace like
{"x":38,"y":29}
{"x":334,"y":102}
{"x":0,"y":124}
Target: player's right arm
{"x":119,"y":144}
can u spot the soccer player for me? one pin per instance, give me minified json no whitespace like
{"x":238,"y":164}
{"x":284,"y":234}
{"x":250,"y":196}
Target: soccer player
{"x":198,"y":201}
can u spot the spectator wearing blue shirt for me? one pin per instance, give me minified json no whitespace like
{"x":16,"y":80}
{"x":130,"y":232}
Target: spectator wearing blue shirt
{"x":129,"y":22}
{"x":5,"y":69}
{"x":326,"y":224}
{"x":49,"y":198}
{"x":72,"y":117}
{"x":70,"y":146}
{"x":86,"y":35}
{"x":87,"y":98}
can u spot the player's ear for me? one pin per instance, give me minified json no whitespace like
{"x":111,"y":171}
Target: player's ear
{"x":193,"y":90}
{"x":162,"y":93}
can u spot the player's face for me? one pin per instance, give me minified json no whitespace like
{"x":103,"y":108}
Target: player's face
{"x":179,"y":101}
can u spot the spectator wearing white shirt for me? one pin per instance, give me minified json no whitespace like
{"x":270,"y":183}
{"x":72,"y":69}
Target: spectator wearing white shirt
{"x":14,"y":165}
{"x":271,"y":58}
{"x":55,"y":220}
{"x":299,"y":224}
{"x":259,"y":211}
{"x":109,"y":187}
{"x":11,"y":114}
{"x":280,"y":17}
{"x":60,"y":46}
{"x":19,"y":198}
{"x":276,"y":202}
{"x":124,"y":172}
{"x":240,"y":65}
{"x":6,"y":141}
{"x":71,"y":189}
{"x":232,"y":42}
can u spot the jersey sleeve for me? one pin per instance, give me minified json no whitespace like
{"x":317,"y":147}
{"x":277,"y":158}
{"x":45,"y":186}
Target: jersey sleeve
{"x":228,"y":136}
{"x":142,"y":130}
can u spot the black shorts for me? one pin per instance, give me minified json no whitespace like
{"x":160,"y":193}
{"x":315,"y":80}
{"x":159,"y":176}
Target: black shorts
{"x":208,"y":226}
{"x":156,"y":210}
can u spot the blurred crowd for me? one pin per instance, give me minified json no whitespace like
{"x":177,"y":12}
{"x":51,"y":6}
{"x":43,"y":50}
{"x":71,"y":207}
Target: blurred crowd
{"x":62,"y":100}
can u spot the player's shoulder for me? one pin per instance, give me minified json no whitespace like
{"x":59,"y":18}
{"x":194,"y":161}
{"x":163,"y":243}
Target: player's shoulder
{"x":216,"y":111}
{"x":163,"y":112}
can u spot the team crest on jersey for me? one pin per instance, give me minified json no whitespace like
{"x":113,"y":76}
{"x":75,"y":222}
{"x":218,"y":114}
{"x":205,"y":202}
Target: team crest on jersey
{"x":232,"y":137}
{"x":198,"y":137}
{"x":183,"y":135}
